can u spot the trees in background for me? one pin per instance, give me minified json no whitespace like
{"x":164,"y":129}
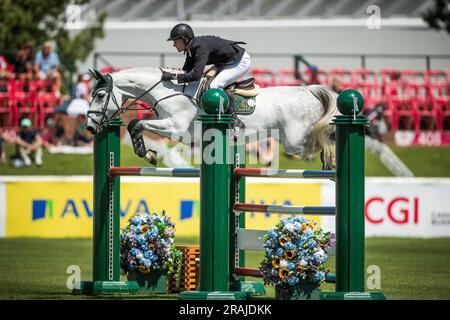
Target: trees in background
{"x":35,"y":21}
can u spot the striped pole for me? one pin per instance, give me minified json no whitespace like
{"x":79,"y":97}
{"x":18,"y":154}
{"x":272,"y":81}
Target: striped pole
{"x":321,"y":210}
{"x":285,"y":173}
{"x":155,"y":172}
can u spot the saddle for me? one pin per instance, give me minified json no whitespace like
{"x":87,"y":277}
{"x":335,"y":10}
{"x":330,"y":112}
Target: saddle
{"x":241,"y":94}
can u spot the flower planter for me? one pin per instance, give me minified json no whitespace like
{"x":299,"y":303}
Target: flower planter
{"x":153,"y":282}
{"x":302,"y":291}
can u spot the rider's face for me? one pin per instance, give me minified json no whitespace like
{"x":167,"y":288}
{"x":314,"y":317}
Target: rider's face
{"x":179,"y":44}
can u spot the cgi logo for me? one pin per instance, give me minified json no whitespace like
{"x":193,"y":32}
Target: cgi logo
{"x":399,"y":210}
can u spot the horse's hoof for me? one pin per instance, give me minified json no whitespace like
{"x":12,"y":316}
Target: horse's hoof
{"x":152,"y":157}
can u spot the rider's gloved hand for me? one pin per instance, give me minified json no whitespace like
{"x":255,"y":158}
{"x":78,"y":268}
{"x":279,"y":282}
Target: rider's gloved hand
{"x":166,"y":76}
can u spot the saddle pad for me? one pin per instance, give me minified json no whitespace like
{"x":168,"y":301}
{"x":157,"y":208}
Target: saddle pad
{"x":244,"y":105}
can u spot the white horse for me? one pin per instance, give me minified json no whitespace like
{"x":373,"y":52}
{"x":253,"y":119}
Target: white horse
{"x":301,"y":114}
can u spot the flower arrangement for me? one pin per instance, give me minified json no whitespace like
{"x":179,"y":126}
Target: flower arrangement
{"x":148,"y":243}
{"x":295,"y":253}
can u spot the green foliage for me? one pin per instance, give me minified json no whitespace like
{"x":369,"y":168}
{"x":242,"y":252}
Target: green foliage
{"x":438,"y":16}
{"x":36,"y":21}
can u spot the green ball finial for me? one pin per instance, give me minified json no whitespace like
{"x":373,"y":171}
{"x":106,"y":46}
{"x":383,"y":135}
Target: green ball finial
{"x":350,"y":102}
{"x":215,"y":101}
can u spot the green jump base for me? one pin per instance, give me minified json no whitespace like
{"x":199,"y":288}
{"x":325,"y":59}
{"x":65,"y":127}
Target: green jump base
{"x":107,"y":287}
{"x":248,"y":289}
{"x":253,"y":288}
{"x":214,"y":295}
{"x":352,"y":296}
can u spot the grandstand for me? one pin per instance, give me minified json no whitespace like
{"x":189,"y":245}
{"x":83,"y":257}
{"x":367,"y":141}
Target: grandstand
{"x":151,"y":10}
{"x":402,"y":65}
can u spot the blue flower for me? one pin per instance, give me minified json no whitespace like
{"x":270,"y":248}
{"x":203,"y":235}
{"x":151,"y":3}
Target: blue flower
{"x":292,"y":281}
{"x":147,"y":243}
{"x":291,"y":265}
{"x":294,"y":251}
{"x":289,"y":246}
{"x":279,"y":252}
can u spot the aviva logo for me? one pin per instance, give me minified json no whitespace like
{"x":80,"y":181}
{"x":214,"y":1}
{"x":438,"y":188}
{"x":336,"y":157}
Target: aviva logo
{"x":41,"y":208}
{"x":189,"y":209}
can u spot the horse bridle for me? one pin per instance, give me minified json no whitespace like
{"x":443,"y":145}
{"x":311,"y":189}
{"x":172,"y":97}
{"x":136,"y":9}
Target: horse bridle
{"x":108,"y":87}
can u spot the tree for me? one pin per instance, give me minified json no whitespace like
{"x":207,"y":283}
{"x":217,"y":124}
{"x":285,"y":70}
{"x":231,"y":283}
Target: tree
{"x":438,"y":16}
{"x":36,"y":21}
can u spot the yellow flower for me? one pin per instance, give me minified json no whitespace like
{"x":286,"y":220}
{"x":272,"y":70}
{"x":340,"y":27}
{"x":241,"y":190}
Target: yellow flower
{"x":289,"y":254}
{"x":143,"y":269}
{"x":283,"y":273}
{"x":276,"y":262}
{"x":144,"y":229}
{"x":283,"y":240}
{"x":300,"y":269}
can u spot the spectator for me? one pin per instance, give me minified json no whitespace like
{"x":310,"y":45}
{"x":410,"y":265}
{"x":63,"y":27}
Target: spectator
{"x":336,"y":85}
{"x":29,"y":142}
{"x":377,"y":125}
{"x":4,"y":72}
{"x":264,"y":149}
{"x":47,"y":66}
{"x":82,"y":137}
{"x":23,"y":62}
{"x":82,"y":88}
{"x":49,"y":134}
{"x":2,"y":147}
{"x":314,"y":75}
{"x":6,"y":136}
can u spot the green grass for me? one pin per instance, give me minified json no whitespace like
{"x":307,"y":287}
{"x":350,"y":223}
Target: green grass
{"x":423,"y":161}
{"x":68,"y":164}
{"x":32,"y":268}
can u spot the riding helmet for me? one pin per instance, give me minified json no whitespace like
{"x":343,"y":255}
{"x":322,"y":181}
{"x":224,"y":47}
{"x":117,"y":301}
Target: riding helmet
{"x":181,"y":30}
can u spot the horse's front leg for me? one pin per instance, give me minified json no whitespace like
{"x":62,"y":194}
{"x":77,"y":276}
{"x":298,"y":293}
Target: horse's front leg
{"x":164,"y":127}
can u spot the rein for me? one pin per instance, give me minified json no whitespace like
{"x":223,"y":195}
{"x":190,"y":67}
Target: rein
{"x":108,"y":86}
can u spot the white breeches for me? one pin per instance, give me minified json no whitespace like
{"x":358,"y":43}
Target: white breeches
{"x":232,"y":72}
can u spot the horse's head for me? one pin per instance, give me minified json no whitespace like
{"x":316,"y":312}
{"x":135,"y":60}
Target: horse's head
{"x":106,"y":103}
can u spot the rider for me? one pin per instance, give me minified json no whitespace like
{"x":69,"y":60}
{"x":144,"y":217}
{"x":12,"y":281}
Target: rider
{"x":227,"y":55}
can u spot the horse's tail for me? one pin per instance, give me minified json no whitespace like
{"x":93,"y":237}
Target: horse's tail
{"x":319,"y":139}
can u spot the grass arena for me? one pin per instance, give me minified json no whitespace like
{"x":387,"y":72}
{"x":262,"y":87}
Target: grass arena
{"x":183,"y":151}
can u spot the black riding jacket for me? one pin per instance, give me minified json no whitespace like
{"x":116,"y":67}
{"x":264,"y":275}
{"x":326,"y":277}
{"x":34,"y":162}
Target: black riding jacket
{"x":206,"y":50}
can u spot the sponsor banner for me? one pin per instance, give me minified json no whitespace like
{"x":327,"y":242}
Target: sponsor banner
{"x":2,"y":210}
{"x":422,"y":138}
{"x":403,"y":207}
{"x":56,"y":207}
{"x":63,"y":208}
